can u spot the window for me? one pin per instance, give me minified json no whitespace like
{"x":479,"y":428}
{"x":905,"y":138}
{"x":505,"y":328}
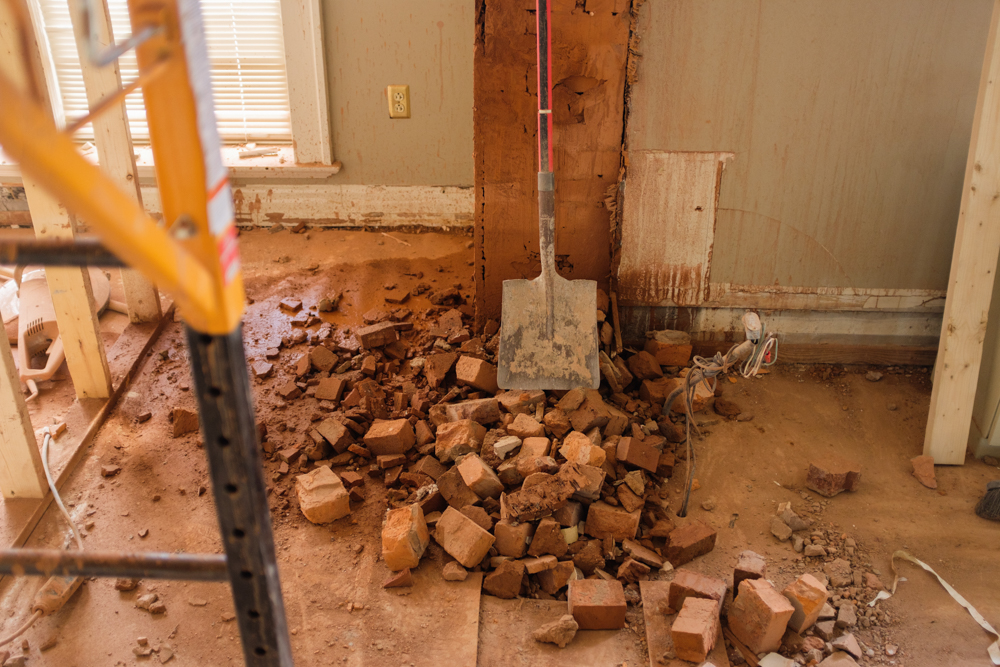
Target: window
{"x":247,"y":67}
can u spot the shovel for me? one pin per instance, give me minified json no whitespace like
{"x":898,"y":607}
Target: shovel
{"x":548,"y":329}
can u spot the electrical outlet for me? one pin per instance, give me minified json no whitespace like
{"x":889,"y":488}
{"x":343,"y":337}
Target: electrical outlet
{"x":399,"y":101}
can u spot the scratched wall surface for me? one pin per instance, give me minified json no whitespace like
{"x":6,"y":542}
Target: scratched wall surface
{"x":849,"y":120}
{"x":589,"y":48}
{"x":427,"y":45}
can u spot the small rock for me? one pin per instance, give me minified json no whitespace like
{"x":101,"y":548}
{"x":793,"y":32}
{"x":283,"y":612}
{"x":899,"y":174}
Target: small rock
{"x":453,"y":571}
{"x":847,"y":616}
{"x":401,"y":579}
{"x":110,"y":471}
{"x":814,"y":550}
{"x":144,"y":532}
{"x":780,"y":529}
{"x":923,"y":470}
{"x":708,"y":505}
{"x":157,"y":608}
{"x":847,"y":643}
{"x":197,"y":602}
{"x":144,"y":601}
{"x":873,"y":376}
{"x":166,"y":653}
{"x":228,"y":617}
{"x":126,"y":584}
{"x":559,"y":632}
{"x":892,"y":407}
{"x":891,"y":649}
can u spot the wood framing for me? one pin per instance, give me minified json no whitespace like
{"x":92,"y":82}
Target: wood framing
{"x":305,"y":66}
{"x":114,"y":147}
{"x":973,"y":273}
{"x":21,"y":472}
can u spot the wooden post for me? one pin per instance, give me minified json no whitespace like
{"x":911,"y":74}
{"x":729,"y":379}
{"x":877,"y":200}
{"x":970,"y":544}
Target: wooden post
{"x":973,"y":272}
{"x":114,"y":148}
{"x":21,"y":472}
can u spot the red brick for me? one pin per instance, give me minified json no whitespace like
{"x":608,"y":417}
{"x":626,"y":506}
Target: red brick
{"x":592,"y":412}
{"x":404,"y":537}
{"x":553,"y":580}
{"x":665,"y":464}
{"x":390,"y":437}
{"x":644,"y":366}
{"x":531,"y":449}
{"x":479,"y":515}
{"x":597,"y":604}
{"x":695,"y":629}
{"x":591,"y":481}
{"x":542,"y":499}
{"x":424,"y":433}
{"x":386,"y":461}
{"x":569,"y":515}
{"x":512,"y":540}
{"x":462,"y":538}
{"x":631,"y":571}
{"x":429,"y":466}
{"x":454,"y":489}
{"x":548,"y":539}
{"x":322,"y":496}
{"x":322,"y":359}
{"x":526,"y":427}
{"x":480,"y":477}
{"x":578,"y":448}
{"x":376,"y":335}
{"x":401,"y":579}
{"x":604,"y":520}
{"x":457,"y":438}
{"x":521,"y":402}
{"x":184,"y":422}
{"x":505,"y":581}
{"x":477,"y":373}
{"x":336,"y":434}
{"x":669,"y":348}
{"x":749,"y":565}
{"x":436,"y":367}
{"x":690,"y":541}
{"x":638,"y":453}
{"x":833,"y":474}
{"x":330,"y":389}
{"x":759,"y":615}
{"x":807,"y":594}
{"x":688,"y":583}
{"x":481,"y":410}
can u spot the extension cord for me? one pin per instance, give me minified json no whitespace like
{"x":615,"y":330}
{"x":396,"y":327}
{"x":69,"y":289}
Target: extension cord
{"x":55,"y":593}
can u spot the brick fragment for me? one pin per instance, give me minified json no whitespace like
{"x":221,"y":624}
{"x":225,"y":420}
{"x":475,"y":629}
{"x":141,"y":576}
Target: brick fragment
{"x":376,"y":335}
{"x":759,"y":615}
{"x":571,"y":514}
{"x":831,"y":475}
{"x":638,"y":453}
{"x":669,"y":348}
{"x":480,"y":477}
{"x":512,"y":539}
{"x":603,"y":520}
{"x":592,"y":412}
{"x":401,"y":579}
{"x":505,"y":581}
{"x":330,"y":389}
{"x":524,"y":426}
{"x":557,"y":421}
{"x":477,"y":373}
{"x":631,"y":571}
{"x":749,"y":565}
{"x":390,"y":437}
{"x":592,"y":481}
{"x":687,"y":584}
{"x":695,"y":629}
{"x":597,"y":604}
{"x":184,"y":422}
{"x":665,"y":464}
{"x":548,"y":539}
{"x":462,"y":538}
{"x":690,"y":541}
{"x":430,"y":466}
{"x":454,"y":489}
{"x":436,"y":367}
{"x":807,"y":595}
{"x":555,"y":579}
{"x":479,"y":515}
{"x":531,"y":450}
{"x":262,"y":369}
{"x":322,"y":359}
{"x":521,"y":402}
{"x":404,"y":537}
{"x":644,"y":366}
{"x":578,"y":448}
{"x":528,"y":504}
{"x":481,"y":410}
{"x":642,"y":554}
{"x":457,"y":438}
{"x":322,"y":496}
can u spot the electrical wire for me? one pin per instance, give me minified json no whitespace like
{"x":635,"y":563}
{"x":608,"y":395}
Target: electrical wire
{"x":62,"y":508}
{"x":763,"y":346}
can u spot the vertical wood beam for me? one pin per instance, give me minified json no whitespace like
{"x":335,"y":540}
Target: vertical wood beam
{"x":305,"y":65}
{"x":114,"y":147}
{"x":973,"y":273}
{"x":21,"y":472}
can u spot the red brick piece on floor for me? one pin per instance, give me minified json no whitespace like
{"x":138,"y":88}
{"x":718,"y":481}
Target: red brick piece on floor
{"x":404,"y":537}
{"x":759,"y":615}
{"x":749,"y":565}
{"x":376,"y":335}
{"x":597,"y":604}
{"x":690,"y":541}
{"x":690,"y":584}
{"x":604,"y":520}
{"x":477,"y":373}
{"x":512,"y":540}
{"x":390,"y":437}
{"x":638,"y":453}
{"x":505,"y":581}
{"x":695,"y":629}
{"x":462,"y":537}
{"x":831,"y":475}
{"x":807,"y":594}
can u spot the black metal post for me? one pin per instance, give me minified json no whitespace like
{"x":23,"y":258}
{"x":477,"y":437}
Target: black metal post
{"x":78,"y":252}
{"x":48,"y":562}
{"x":227,"y":423}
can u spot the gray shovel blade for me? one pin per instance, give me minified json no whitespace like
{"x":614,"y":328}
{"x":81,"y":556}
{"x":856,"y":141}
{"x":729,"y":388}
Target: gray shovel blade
{"x":528,"y":358}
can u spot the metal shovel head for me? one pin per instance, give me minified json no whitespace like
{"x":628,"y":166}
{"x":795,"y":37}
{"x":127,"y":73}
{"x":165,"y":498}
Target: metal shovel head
{"x":529,"y":358}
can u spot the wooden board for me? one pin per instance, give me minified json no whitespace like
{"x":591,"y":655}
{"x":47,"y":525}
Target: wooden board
{"x":114,"y":147}
{"x":668,"y":226}
{"x":589,"y":47}
{"x":506,"y":641}
{"x":19,"y":517}
{"x":658,"y":639}
{"x":973,"y":273}
{"x":21,"y":472}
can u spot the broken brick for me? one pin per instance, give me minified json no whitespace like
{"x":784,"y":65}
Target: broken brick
{"x":688,"y":583}
{"x":578,"y":448}
{"x":262,"y":369}
{"x":429,"y":466}
{"x":336,"y":434}
{"x":322,"y":359}
{"x":330,"y":389}
{"x":404,"y":537}
{"x":556,"y":578}
{"x":462,"y":538}
{"x":631,"y":571}
{"x":695,"y":629}
{"x":481,"y":410}
{"x":505,"y":581}
{"x":831,"y":475}
{"x":638,"y":453}
{"x":436,"y":367}
{"x":603,"y":520}
{"x":322,"y":496}
{"x":454,"y":489}
{"x":477,"y":373}
{"x":644,"y":366}
{"x":376,"y":335}
{"x":289,"y":391}
{"x":597,"y":604}
{"x":807,"y":595}
{"x":512,"y":539}
{"x":457,"y":438}
{"x":390,"y":437}
{"x":543,"y":499}
{"x":759,"y":615}
{"x":749,"y":565}
{"x":480,"y":477}
{"x":669,"y":347}
{"x":184,"y":422}
{"x":548,"y":539}
{"x":690,"y":541}
{"x":524,"y":426}
{"x":401,"y":579}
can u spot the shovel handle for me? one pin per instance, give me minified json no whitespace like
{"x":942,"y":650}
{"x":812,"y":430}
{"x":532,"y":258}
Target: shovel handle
{"x":546,"y":180}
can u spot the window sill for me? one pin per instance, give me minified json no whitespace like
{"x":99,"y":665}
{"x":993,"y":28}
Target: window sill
{"x":282,"y":165}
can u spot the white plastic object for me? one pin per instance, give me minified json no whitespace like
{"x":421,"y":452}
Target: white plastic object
{"x":751,"y":324}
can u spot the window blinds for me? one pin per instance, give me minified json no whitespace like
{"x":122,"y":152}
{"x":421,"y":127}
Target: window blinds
{"x":247,"y":67}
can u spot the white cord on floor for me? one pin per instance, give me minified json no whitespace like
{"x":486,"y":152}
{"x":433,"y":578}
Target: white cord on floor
{"x":52,"y":487}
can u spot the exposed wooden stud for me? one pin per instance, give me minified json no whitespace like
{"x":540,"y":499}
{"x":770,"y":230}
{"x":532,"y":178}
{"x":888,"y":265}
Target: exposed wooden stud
{"x":973,"y":273}
{"x":21,"y":472}
{"x":305,"y":64}
{"x":114,"y":148}
{"x":72,"y":299}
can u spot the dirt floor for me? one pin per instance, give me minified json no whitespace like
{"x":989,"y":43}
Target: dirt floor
{"x":331,"y":575}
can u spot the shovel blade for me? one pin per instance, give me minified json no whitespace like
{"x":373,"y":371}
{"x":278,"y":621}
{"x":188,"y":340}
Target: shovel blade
{"x":528,"y":357}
